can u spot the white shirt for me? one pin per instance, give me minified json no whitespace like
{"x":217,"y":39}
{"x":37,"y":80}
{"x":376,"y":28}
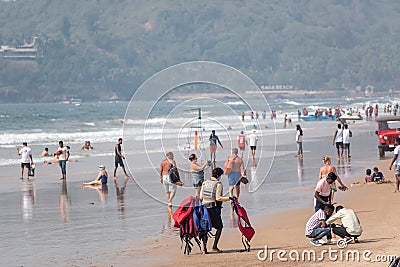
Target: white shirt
{"x":299,"y":138}
{"x":63,"y":156}
{"x":346,"y":136}
{"x":253,"y":139}
{"x":396,"y":152}
{"x":339,"y":136}
{"x":25,"y":153}
{"x":349,"y":220}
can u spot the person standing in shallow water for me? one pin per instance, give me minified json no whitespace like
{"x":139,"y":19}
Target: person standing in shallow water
{"x":26,"y":158}
{"x":119,"y":159}
{"x":299,"y":141}
{"x":213,"y":146}
{"x":63,"y":156}
{"x":338,"y":140}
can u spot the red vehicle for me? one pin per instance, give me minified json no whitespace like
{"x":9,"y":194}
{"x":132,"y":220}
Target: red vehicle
{"x":388,"y":131}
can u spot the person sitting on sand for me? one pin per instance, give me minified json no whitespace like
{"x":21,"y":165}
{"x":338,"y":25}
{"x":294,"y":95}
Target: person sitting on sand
{"x":368,"y":176}
{"x":101,"y":177}
{"x":377,"y":176}
{"x":350,"y":227}
{"x":317,"y":228}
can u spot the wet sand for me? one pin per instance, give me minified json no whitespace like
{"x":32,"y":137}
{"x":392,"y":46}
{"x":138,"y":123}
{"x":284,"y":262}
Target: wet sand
{"x":70,"y":226}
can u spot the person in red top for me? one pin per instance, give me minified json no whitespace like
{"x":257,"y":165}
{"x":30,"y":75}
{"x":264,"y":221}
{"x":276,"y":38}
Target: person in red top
{"x":242,"y":142}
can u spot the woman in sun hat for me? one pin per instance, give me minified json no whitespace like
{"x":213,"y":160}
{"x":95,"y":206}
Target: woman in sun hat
{"x":101,"y":177}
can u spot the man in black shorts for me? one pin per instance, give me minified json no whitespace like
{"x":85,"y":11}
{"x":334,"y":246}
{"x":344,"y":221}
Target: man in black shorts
{"x":119,"y":159}
{"x":211,"y":197}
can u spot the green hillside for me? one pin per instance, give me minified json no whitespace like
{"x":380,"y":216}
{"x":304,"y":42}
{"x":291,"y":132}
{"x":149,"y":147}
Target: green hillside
{"x":102,"y":49}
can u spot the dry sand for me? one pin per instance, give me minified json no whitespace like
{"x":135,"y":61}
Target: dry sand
{"x":376,"y":205}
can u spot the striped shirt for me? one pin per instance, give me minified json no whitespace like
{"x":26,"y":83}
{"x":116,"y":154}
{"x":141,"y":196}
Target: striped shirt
{"x":315,"y":221}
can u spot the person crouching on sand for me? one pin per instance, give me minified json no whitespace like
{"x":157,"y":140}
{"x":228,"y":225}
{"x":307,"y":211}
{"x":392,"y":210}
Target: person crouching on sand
{"x":211,"y":197}
{"x":317,"y":228}
{"x":101,"y":177}
{"x":350,"y":227}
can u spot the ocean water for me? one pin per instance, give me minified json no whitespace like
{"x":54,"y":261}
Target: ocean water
{"x":44,"y":124}
{"x":55,"y":224}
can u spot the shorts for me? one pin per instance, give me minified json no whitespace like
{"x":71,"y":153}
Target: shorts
{"x":397,"y":169}
{"x":234,"y":178}
{"x":253,"y":147}
{"x":346,"y":145}
{"x":168,"y":186}
{"x":119,"y":161}
{"x":213,"y":148}
{"x":199,"y":184}
{"x":339,"y":145}
{"x":215,"y":216}
{"x":25,"y":165}
{"x":242,"y":148}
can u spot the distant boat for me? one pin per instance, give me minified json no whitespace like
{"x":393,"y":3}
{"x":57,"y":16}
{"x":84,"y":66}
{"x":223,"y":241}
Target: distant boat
{"x":348,"y":117}
{"x":318,"y":118}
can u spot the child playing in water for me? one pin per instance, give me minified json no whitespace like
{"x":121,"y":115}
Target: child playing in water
{"x":368,"y":176}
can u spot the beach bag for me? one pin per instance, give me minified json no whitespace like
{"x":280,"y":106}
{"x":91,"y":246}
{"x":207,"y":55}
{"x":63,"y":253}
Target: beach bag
{"x":31,"y":171}
{"x":228,"y":166}
{"x":173,"y":174}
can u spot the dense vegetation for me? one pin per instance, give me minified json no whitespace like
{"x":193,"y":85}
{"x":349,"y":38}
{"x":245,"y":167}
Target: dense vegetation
{"x":99,"y":49}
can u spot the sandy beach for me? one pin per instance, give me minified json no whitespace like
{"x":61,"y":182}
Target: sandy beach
{"x":375,"y":204}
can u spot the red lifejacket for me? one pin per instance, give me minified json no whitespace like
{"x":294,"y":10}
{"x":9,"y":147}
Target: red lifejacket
{"x":243,"y":222}
{"x":241,"y":140}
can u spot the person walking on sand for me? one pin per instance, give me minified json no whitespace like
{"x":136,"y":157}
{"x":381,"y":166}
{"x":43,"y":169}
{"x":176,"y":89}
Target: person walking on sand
{"x":211,"y":196}
{"x":62,"y":154}
{"x":242,"y":142}
{"x":26,"y":158}
{"x":197,"y":172}
{"x":237,"y":172}
{"x":169,"y":187}
{"x":299,"y":141}
{"x":338,"y":140}
{"x":346,"y":140}
{"x":213,"y":145}
{"x":253,"y":144}
{"x":119,"y":159}
{"x":396,"y":162}
{"x":101,"y":177}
